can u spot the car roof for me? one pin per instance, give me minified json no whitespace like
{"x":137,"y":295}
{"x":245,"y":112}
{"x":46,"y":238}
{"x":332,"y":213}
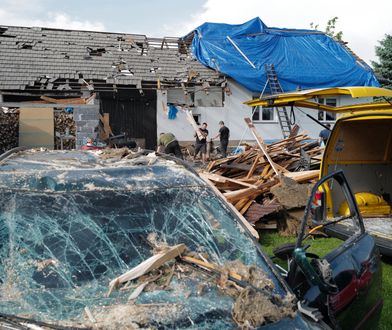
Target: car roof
{"x":109,"y":169}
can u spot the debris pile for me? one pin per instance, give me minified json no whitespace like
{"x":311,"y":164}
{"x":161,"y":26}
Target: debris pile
{"x":9,"y":130}
{"x":267,"y":179}
{"x":254,"y":302}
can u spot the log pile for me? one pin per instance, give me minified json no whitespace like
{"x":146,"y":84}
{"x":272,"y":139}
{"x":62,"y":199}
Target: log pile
{"x":9,"y":130}
{"x":248,"y":179}
{"x":64,"y":125}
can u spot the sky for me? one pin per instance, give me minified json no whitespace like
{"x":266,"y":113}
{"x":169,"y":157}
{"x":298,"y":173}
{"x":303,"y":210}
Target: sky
{"x":363,"y":23}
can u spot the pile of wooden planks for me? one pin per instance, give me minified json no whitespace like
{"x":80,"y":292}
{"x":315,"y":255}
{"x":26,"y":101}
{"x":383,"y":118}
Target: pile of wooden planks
{"x":9,"y":129}
{"x":245,"y":180}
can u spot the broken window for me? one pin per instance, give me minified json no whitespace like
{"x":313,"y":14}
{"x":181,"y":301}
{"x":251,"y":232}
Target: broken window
{"x":65,"y":234}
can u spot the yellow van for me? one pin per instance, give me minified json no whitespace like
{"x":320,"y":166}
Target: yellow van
{"x":360,"y":144}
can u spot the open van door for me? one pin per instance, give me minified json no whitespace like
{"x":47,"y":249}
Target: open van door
{"x":346,"y":282}
{"x":360,"y":144}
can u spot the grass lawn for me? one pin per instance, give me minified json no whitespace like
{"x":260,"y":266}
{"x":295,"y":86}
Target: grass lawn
{"x":271,"y":240}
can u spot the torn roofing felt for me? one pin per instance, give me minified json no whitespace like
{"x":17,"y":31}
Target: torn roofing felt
{"x":302,"y":58}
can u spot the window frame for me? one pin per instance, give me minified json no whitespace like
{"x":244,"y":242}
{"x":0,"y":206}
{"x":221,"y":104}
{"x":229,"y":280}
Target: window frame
{"x":256,"y":109}
{"x":324,"y":113}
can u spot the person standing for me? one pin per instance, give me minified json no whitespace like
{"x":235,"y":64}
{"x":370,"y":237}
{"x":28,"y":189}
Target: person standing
{"x":201,"y":142}
{"x":169,"y":141}
{"x":324,"y":134}
{"x":224,"y":134}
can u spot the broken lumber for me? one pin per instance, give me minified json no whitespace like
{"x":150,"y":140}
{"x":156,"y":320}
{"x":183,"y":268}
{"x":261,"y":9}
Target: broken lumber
{"x":260,"y":142}
{"x":240,"y":216}
{"x":191,"y":120}
{"x":262,"y":167}
{"x":146,"y":266}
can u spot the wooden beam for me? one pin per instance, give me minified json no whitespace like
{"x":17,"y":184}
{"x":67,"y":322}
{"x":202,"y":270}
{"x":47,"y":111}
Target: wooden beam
{"x":191,"y":120}
{"x":261,"y":144}
{"x":148,"y":265}
{"x":253,"y":168}
{"x":223,"y":179}
{"x":63,"y":101}
{"x":239,"y":215}
{"x":303,"y":176}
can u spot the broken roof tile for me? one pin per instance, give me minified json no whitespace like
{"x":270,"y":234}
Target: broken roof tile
{"x":64,"y":53}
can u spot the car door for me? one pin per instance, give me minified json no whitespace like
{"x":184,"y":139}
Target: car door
{"x":345,"y":284}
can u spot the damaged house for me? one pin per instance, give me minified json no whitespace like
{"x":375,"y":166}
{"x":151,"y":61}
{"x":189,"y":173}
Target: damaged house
{"x":131,"y":78}
{"x":136,"y":80}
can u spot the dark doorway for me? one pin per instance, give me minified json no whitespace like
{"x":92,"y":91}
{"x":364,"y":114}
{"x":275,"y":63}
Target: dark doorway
{"x":133,"y":114}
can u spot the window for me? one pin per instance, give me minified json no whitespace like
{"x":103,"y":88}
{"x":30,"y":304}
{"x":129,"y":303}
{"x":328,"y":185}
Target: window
{"x":197,"y":119}
{"x":263,"y":114}
{"x":325,"y":115}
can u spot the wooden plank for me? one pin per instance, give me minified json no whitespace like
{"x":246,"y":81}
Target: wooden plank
{"x":246,"y":207}
{"x":253,"y":168}
{"x":36,"y":127}
{"x":223,"y":179}
{"x":265,"y":170}
{"x":303,"y":176}
{"x":146,"y":266}
{"x":247,"y":192}
{"x":107,"y":131}
{"x":210,"y":266}
{"x":191,"y":120}
{"x":270,"y":225}
{"x":260,"y":142}
{"x":63,"y":101}
{"x":239,"y":215}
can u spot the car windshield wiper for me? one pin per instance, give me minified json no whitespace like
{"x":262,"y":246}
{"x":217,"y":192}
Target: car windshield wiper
{"x":20,"y":321}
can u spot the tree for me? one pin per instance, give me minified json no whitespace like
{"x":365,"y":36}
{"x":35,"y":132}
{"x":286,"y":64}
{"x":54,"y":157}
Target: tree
{"x":330,"y":29}
{"x":384,"y":67}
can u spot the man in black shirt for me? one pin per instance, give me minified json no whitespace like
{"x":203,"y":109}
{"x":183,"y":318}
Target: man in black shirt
{"x":224,"y":134}
{"x":201,"y":143}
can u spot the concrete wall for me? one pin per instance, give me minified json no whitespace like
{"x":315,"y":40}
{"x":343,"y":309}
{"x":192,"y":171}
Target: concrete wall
{"x":233,"y":113}
{"x":87,"y":121}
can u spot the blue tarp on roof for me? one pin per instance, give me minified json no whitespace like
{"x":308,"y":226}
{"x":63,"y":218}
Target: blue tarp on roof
{"x":302,"y":58}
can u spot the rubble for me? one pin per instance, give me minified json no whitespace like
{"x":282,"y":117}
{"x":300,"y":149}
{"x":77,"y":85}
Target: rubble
{"x":265,"y":179}
{"x":290,"y":194}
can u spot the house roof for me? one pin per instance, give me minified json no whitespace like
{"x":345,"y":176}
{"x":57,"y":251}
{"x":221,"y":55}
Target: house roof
{"x":302,"y":59}
{"x":54,"y":59}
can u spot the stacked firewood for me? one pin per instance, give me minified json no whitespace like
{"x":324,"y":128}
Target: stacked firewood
{"x":248,"y":180}
{"x":64,"y":125}
{"x":9,"y":130}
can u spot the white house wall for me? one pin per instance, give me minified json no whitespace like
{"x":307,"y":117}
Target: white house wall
{"x":233,"y":113}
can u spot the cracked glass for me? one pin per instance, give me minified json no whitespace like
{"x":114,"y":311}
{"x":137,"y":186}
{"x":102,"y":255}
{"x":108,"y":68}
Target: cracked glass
{"x":65,"y":234}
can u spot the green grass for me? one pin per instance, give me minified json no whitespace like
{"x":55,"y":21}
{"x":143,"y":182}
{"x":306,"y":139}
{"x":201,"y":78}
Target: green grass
{"x":270,"y":240}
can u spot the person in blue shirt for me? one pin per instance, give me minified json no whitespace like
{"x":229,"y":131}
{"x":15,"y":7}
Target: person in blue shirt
{"x":324,"y":135}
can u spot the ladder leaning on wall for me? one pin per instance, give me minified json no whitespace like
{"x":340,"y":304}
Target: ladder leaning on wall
{"x":276,"y":88}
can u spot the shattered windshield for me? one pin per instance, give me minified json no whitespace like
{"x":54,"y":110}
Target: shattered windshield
{"x":60,"y":249}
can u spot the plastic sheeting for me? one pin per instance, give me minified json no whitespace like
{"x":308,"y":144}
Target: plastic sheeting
{"x":302,"y":58}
